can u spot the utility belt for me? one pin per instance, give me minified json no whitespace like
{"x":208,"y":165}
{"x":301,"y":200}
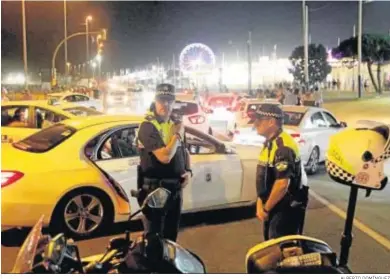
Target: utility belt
{"x":297,"y":195}
{"x":151,"y":184}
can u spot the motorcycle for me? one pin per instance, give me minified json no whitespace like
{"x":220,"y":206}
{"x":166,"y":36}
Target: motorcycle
{"x":303,"y":254}
{"x":149,"y":253}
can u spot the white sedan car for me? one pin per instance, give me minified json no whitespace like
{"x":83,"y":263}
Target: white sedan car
{"x":193,"y":115}
{"x":311,"y":127}
{"x":246,"y":108}
{"x":79,"y":99}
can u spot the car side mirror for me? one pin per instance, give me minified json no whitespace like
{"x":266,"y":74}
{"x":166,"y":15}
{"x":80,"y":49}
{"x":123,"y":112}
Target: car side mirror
{"x":343,"y":124}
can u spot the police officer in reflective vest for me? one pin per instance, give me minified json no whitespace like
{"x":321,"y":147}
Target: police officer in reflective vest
{"x":164,"y":161}
{"x":278,"y":176}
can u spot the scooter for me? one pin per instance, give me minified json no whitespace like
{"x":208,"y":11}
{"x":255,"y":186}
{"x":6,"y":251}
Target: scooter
{"x":150,"y":253}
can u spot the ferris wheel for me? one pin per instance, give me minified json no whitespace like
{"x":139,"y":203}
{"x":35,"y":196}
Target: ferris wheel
{"x":196,"y":57}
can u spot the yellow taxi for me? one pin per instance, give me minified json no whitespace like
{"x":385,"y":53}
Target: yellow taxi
{"x":50,"y":173}
{"x":20,"y":119}
{"x":79,"y":174}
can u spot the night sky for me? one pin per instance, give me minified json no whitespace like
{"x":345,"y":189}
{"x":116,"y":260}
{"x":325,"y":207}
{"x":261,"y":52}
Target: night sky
{"x":139,"y":32}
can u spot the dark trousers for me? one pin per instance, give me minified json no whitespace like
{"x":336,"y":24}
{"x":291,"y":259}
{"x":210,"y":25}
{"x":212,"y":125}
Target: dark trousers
{"x":284,"y":221}
{"x":169,"y":223}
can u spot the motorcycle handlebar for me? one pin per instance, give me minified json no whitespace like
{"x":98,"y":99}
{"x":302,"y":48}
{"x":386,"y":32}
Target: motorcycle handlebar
{"x":135,"y":193}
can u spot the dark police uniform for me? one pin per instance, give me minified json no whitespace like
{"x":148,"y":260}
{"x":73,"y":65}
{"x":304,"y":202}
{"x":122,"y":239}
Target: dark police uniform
{"x":279,"y":159}
{"x":152,"y":135}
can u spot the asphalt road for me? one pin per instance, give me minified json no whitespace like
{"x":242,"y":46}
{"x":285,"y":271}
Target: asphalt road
{"x":222,"y":238}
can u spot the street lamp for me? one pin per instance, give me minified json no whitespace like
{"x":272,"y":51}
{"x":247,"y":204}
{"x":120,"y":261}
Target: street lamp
{"x":98,"y":58}
{"x":360,"y":27}
{"x":65,"y":36}
{"x":87,"y":20}
{"x":93,"y":70}
{"x":67,"y":67}
{"x":360,"y":33}
{"x":24,"y":44}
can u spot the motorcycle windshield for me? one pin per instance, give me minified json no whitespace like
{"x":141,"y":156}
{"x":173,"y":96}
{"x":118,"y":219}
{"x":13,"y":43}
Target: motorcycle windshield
{"x":25,"y":258}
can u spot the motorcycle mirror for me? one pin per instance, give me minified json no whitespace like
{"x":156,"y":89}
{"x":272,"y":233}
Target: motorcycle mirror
{"x":25,"y":259}
{"x":157,"y":199}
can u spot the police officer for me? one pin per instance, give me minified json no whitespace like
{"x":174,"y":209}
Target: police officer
{"x":278,"y":176}
{"x":164,"y":161}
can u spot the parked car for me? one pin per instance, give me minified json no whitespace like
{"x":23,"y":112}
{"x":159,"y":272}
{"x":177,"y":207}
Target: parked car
{"x":193,"y":115}
{"x":80,"y":99}
{"x":311,"y":127}
{"x":79,"y":174}
{"x":35,"y":115}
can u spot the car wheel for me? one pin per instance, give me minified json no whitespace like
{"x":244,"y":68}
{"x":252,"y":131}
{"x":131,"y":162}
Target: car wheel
{"x":210,"y":131}
{"x":82,"y":213}
{"x":312,"y":165}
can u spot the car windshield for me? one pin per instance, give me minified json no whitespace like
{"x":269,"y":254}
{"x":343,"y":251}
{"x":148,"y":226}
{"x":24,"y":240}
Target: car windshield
{"x":221,"y":101}
{"x":292,"y":118}
{"x":184,"y":108}
{"x":54,"y":98}
{"x":82,"y":111}
{"x":45,"y":139}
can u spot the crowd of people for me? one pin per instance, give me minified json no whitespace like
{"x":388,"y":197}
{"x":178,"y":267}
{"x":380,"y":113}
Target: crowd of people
{"x":288,"y":95}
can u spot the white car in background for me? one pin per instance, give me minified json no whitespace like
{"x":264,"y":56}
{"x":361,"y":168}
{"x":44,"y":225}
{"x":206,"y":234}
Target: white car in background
{"x":79,"y":99}
{"x":219,"y":108}
{"x":247,"y":108}
{"x":193,"y":115}
{"x":311,"y":127}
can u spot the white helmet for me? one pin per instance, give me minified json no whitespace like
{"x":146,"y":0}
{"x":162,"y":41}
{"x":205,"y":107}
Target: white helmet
{"x":356,"y":157}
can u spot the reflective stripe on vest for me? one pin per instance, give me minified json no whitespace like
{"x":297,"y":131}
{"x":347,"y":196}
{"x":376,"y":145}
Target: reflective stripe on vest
{"x":164,"y":128}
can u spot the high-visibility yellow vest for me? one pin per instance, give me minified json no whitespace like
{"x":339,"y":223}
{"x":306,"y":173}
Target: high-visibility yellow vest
{"x":268,"y":155}
{"x":164,"y":128}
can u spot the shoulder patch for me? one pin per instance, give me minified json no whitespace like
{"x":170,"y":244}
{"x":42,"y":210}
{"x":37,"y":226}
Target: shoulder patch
{"x":281,"y":166}
{"x":149,"y":117}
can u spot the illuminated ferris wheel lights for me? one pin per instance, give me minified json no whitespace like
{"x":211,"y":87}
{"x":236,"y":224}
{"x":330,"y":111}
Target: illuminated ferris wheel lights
{"x":205,"y":57}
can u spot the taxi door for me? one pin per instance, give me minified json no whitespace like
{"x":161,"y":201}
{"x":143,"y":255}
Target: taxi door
{"x":13,"y":134}
{"x":217,"y":176}
{"x":116,"y":154}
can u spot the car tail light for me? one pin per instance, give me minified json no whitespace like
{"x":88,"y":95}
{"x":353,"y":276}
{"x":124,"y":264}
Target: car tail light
{"x":197,"y":119}
{"x":297,"y":138}
{"x":9,"y":177}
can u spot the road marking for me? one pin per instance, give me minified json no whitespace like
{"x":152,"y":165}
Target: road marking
{"x":364,"y":228}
